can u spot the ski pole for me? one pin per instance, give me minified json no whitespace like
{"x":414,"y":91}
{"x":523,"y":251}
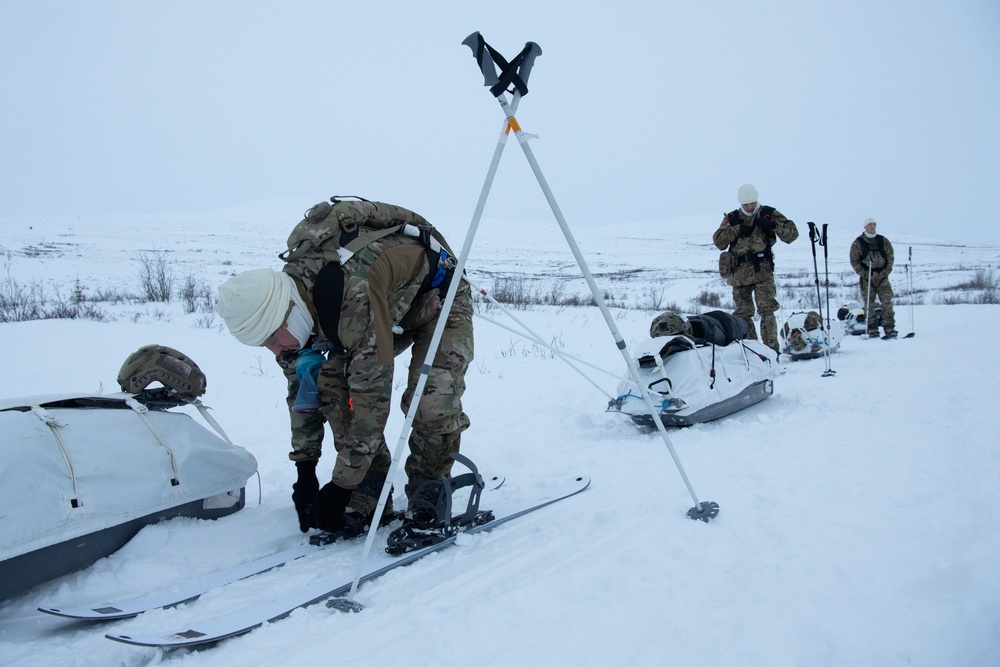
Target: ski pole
{"x":868,"y":299}
{"x":909,"y":290}
{"x":827,"y":332}
{"x":480,"y":50}
{"x":813,"y":235}
{"x":814,"y":238}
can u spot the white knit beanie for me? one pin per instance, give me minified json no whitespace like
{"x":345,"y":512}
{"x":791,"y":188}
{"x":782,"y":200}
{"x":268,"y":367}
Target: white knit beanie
{"x":254,"y":303}
{"x":872,"y":222}
{"x":747,"y":194}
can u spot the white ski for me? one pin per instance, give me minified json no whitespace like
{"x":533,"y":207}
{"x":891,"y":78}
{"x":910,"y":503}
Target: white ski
{"x":248,"y":618}
{"x":109,"y":611}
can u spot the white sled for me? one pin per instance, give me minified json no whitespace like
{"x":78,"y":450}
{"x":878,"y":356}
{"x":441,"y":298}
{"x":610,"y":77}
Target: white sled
{"x":81,"y":475}
{"x":804,"y":337}
{"x":853,"y":317}
{"x":693,"y":380}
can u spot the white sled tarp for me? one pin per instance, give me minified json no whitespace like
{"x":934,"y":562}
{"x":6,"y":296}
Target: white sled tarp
{"x":804,"y":336}
{"x":692,"y":381}
{"x":82,"y":474}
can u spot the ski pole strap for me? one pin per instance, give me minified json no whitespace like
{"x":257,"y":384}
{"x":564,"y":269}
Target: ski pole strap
{"x":513,"y":74}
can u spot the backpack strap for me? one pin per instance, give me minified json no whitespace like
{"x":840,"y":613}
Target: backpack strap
{"x":879,"y":245}
{"x":363,"y":239}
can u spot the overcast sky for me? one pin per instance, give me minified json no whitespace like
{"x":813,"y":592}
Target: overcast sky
{"x":646,"y":110}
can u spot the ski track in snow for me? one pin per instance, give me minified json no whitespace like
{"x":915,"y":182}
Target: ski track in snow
{"x":858,"y":513}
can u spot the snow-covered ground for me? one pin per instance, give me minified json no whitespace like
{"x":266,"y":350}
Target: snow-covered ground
{"x":859,"y":514}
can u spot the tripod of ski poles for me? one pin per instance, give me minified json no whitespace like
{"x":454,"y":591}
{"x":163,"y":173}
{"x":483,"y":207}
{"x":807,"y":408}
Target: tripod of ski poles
{"x":502,"y":77}
{"x":816,"y":235}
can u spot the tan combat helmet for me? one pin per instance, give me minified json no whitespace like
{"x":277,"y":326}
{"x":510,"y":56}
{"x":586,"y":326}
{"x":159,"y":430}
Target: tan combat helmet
{"x":670,"y":324}
{"x":159,"y":363}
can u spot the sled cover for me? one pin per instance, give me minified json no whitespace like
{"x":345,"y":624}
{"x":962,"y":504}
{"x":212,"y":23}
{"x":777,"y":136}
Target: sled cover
{"x":692,"y":380}
{"x":76,"y":465}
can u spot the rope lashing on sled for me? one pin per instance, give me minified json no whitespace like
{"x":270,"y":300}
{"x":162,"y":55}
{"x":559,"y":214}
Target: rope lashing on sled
{"x":54,"y":424}
{"x":141,"y":410}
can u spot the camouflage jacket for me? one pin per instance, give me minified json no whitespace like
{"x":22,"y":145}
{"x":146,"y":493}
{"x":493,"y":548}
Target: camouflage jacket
{"x":865,"y":251}
{"x":381,"y":288}
{"x":750,"y":238}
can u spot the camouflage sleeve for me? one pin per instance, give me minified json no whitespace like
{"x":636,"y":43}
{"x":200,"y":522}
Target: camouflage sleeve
{"x":890,"y":257}
{"x":725,"y":234}
{"x":856,"y":264}
{"x":368,"y":381}
{"x":306,"y":427}
{"x":370,"y":386}
{"x":784,"y":228}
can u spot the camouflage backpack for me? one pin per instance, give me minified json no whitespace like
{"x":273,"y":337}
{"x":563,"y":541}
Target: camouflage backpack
{"x":795,"y":334}
{"x":332,"y":232}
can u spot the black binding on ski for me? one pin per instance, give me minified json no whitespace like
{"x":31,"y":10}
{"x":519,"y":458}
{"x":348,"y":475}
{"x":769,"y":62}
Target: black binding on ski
{"x":429,"y":519}
{"x":352,"y":528}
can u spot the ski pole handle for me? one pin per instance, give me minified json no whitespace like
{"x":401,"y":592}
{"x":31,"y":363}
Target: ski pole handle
{"x":514,"y":73}
{"x":528,"y":55}
{"x":812,"y":231}
{"x":823,"y":242}
{"x":481,"y":53}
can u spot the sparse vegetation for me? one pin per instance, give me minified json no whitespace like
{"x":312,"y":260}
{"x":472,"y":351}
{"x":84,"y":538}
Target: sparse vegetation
{"x":155,"y":277}
{"x":982,"y":288}
{"x":21,"y":301}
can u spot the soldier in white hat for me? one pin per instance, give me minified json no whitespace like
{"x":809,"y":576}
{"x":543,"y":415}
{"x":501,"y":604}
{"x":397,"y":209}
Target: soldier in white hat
{"x":746,"y":237}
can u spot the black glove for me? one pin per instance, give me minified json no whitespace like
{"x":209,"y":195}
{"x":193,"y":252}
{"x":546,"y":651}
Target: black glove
{"x":304,"y":491}
{"x":745,"y":230}
{"x":327,"y":510}
{"x":766,"y":225}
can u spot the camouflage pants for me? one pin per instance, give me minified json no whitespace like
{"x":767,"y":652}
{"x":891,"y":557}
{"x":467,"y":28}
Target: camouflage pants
{"x":765,"y":294}
{"x":439,"y":420}
{"x":363,"y":455}
{"x":883,"y":293}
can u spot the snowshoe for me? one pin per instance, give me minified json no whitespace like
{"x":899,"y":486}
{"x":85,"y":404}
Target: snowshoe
{"x":889,"y":335}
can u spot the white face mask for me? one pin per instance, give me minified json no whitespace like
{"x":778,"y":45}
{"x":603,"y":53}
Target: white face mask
{"x":756,"y":208}
{"x":299,"y":323}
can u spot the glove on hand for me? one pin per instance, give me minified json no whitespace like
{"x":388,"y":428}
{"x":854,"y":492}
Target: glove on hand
{"x":327,"y":510}
{"x":304,"y":491}
{"x":745,"y":230}
{"x":766,"y":224}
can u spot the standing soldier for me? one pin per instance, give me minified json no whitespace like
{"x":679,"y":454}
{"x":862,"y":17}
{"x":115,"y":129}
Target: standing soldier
{"x":746,"y":236}
{"x":872,"y":256}
{"x":334,"y":323}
